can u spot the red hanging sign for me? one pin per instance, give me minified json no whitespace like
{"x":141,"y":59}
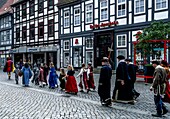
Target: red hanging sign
{"x":103,"y":24}
{"x":76,"y":41}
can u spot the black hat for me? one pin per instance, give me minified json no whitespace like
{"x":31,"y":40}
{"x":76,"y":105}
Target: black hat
{"x":121,"y":57}
{"x":155,"y":62}
{"x":130,"y":60}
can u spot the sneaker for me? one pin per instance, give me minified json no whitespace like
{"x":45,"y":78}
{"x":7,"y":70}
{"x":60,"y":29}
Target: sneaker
{"x":157,"y":115}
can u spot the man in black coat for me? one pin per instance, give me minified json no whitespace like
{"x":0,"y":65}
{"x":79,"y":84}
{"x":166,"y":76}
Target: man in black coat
{"x":105,"y":83}
{"x":123,"y":89}
{"x":132,"y":76}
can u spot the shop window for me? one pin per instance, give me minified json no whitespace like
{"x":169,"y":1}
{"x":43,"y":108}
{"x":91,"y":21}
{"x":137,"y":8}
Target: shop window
{"x":66,"y":45}
{"x":121,"y":8}
{"x":139,"y":6}
{"x":17,"y":12}
{"x":51,"y":27}
{"x":66,"y":19}
{"x":50,"y":4}
{"x":40,"y":6}
{"x":89,"y":13}
{"x":32,"y":31}
{"x":41,"y":30}
{"x":121,"y":40}
{"x":89,"y":57}
{"x":24,"y":10}
{"x":17,"y":34}
{"x":77,"y":16}
{"x":77,"y":53}
{"x":89,"y":43}
{"x":32,"y":9}
{"x":66,"y":59}
{"x":24,"y":33}
{"x":161,"y":4}
{"x":103,"y":9}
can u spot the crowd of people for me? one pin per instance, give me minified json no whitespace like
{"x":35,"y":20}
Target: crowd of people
{"x":123,"y":92}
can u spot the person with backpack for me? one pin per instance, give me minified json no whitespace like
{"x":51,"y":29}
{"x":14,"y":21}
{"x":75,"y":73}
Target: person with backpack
{"x":27,"y":74}
{"x":83,"y":78}
{"x":158,"y":86}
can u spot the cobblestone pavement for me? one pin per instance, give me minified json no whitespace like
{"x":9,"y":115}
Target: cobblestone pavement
{"x":17,"y":102}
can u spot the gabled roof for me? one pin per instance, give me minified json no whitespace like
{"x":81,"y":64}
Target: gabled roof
{"x":64,"y":2}
{"x":5,"y":6}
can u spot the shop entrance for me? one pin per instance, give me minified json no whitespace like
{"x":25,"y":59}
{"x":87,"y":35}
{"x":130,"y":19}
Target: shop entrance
{"x":38,"y":59}
{"x":103,"y":42}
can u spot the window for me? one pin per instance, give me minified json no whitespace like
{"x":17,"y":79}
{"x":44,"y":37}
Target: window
{"x":89,"y":57}
{"x":51,"y":27}
{"x":66,"y":19}
{"x":77,"y":16}
{"x":89,"y":43}
{"x":121,"y":8}
{"x":41,"y":29}
{"x":139,"y":6}
{"x":103,"y":9}
{"x":121,"y":41}
{"x":6,"y":21}
{"x":32,"y":9}
{"x":17,"y":12}
{"x":66,"y":45}
{"x":89,"y":13}
{"x":50,"y":4}
{"x":40,"y":6}
{"x":8,"y":35}
{"x":24,"y":10}
{"x":66,"y":59}
{"x":32,"y":31}
{"x":2,"y":23}
{"x":161,"y":4}
{"x":121,"y":52}
{"x":17,"y":34}
{"x":2,"y":36}
{"x":24,"y":33}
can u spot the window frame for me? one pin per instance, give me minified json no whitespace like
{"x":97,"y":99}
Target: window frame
{"x":24,"y":10}
{"x":121,"y":9}
{"x":32,"y":8}
{"x":52,"y":6}
{"x":32,"y":29}
{"x":40,"y":26}
{"x":121,"y":40}
{"x":139,"y":7}
{"x":89,"y":38}
{"x":51,"y":25}
{"x":89,"y":11}
{"x":18,"y":34}
{"x":24,"y":33}
{"x":64,"y":46}
{"x":75,"y":15}
{"x":17,"y":13}
{"x":101,"y":8}
{"x":156,"y":9}
{"x":39,"y":4}
{"x":67,"y":17}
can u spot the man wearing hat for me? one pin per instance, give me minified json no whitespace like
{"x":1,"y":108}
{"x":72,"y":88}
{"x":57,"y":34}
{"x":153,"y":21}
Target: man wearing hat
{"x":123,"y":90}
{"x":158,"y":86}
{"x":105,"y":83}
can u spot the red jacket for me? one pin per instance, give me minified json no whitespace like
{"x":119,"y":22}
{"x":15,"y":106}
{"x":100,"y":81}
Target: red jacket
{"x":9,"y":66}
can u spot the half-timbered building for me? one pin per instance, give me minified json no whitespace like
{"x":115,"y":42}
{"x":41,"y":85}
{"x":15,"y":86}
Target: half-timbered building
{"x":36,"y":31}
{"x":5,"y":30}
{"x":93,"y":29}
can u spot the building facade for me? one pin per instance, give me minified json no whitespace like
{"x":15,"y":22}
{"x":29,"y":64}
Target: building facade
{"x":5,"y":30}
{"x":36,"y":31}
{"x":93,"y":29}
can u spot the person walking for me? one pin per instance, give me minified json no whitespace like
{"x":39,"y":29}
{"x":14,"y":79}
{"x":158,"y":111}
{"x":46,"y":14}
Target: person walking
{"x":41,"y":77}
{"x":83,"y":78}
{"x":46,"y":70}
{"x":71,"y":84}
{"x":27,"y":74}
{"x":105,"y":83}
{"x":16,"y":71}
{"x":36,"y":72}
{"x":90,"y":76}
{"x":62,"y":77}
{"x":52,"y":76}
{"x":9,"y":67}
{"x":123,"y":90}
{"x":132,"y":76}
{"x":158,"y":86}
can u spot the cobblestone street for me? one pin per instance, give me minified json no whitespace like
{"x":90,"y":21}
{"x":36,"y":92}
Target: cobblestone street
{"x":17,"y":102}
